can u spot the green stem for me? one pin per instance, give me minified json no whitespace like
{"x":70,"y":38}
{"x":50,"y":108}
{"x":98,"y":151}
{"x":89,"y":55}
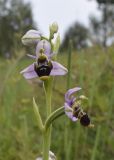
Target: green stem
{"x":46,"y":144}
{"x":47,"y":133}
{"x":37,"y":114}
{"x":48,"y":94}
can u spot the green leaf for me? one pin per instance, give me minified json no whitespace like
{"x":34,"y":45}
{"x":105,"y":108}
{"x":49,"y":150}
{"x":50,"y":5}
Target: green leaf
{"x":37,"y":114}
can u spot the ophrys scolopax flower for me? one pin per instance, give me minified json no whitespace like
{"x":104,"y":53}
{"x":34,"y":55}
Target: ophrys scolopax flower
{"x":43,"y":67}
{"x":73,"y":107}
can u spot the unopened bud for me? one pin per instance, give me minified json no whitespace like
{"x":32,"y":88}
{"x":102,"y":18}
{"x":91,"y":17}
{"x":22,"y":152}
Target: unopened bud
{"x":31,"y":37}
{"x":54,"y":28}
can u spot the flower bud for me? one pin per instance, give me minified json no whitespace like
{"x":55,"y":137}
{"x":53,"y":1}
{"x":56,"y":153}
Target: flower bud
{"x":53,"y":29}
{"x":31,"y":37}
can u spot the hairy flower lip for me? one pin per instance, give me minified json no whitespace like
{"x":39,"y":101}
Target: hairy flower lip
{"x":85,"y":120}
{"x":43,"y":70}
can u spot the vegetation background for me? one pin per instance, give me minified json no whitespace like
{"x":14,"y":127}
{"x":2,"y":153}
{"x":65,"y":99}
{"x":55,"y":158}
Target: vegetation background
{"x":91,"y":59}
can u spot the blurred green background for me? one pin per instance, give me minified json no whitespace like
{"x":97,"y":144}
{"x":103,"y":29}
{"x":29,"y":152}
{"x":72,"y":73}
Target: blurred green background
{"x":92,"y":68}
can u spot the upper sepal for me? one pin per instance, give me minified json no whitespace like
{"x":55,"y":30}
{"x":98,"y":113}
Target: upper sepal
{"x":69,"y":98}
{"x":46,"y":46}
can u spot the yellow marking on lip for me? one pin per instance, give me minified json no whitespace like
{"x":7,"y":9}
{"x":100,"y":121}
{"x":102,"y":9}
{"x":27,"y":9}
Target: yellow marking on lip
{"x":91,"y":126}
{"x":43,"y":78}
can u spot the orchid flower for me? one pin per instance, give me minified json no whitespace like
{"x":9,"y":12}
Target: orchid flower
{"x":43,"y":67}
{"x":73,"y":108}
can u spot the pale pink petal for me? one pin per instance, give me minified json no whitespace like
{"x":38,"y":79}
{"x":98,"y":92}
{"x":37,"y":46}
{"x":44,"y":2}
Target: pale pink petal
{"x":69,"y":112}
{"x":74,"y":119}
{"x":29,"y":72}
{"x":58,"y":69}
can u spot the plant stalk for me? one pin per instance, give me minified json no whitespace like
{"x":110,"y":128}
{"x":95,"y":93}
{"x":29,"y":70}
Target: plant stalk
{"x":47,"y":133}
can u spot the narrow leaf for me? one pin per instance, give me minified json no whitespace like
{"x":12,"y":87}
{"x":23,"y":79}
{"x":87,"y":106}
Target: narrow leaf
{"x":37,"y":114}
